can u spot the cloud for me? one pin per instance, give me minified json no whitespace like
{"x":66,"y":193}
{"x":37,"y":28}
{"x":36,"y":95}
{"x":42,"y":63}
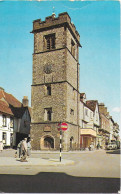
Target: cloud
{"x":116,"y":109}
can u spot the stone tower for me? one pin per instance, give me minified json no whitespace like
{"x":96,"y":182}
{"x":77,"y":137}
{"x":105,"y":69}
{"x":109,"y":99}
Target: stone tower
{"x":55,"y":86}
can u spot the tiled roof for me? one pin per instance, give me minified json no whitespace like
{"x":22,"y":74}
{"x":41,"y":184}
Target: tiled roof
{"x":10,"y":99}
{"x":91,"y":104}
{"x":10,"y":105}
{"x":18,"y":111}
{"x":4,"y":108}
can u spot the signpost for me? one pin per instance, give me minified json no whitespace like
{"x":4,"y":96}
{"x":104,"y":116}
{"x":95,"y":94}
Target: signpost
{"x":61,"y":126}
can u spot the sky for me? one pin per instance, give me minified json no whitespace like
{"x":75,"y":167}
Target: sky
{"x":98,"y":23}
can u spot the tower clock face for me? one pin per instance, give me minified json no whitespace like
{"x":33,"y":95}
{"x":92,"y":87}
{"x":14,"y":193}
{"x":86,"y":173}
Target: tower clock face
{"x":48,"y":69}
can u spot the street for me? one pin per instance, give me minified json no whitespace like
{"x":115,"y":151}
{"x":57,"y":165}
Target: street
{"x":92,"y":172}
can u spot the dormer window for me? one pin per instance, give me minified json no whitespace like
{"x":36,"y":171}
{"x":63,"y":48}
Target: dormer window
{"x":49,"y":41}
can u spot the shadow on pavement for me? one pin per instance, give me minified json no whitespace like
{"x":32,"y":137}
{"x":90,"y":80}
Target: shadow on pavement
{"x":114,"y":152}
{"x":46,"y":182}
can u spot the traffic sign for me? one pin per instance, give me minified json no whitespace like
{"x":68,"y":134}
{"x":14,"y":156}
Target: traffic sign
{"x":62,"y":126}
{"x":59,"y":126}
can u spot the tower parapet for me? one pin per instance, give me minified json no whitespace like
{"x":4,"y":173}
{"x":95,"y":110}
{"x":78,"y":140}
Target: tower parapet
{"x":63,"y":19}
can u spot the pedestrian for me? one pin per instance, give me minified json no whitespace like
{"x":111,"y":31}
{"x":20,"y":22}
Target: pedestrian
{"x":29,"y":148}
{"x":98,"y":145}
{"x":1,"y":146}
{"x":19,"y":149}
{"x":91,"y":147}
{"x":24,"y":150}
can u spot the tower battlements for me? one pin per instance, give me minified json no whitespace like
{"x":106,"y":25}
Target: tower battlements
{"x":63,"y":19}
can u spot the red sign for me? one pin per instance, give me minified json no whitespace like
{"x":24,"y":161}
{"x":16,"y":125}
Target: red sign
{"x":62,"y":126}
{"x":59,"y":126}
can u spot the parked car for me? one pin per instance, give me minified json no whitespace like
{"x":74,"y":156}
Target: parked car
{"x":111,"y":146}
{"x":118,"y":144}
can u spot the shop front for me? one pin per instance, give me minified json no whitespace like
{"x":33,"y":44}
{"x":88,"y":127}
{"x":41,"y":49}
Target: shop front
{"x":87,"y":137}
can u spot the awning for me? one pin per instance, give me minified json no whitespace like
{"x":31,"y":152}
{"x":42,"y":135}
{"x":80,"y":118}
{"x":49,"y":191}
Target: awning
{"x":87,"y":131}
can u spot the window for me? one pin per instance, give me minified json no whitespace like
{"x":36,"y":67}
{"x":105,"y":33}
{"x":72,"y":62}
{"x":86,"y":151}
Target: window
{"x":4,"y":137}
{"x":48,"y":114}
{"x":4,"y":121}
{"x":96,"y":116}
{"x":25,"y":123}
{"x":86,"y":112}
{"x":49,"y":90}
{"x":74,"y":91}
{"x":72,"y":112}
{"x":72,"y":48}
{"x":49,"y":41}
{"x":11,"y":122}
{"x":91,"y":115}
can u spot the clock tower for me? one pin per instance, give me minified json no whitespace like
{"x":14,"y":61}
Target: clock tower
{"x":55,"y":84}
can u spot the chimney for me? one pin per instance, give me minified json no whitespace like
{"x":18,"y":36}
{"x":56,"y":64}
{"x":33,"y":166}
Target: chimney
{"x":25,"y":101}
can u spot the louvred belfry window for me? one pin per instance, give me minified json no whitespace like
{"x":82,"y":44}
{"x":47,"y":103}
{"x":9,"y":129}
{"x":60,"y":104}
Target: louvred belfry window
{"x":50,"y":41}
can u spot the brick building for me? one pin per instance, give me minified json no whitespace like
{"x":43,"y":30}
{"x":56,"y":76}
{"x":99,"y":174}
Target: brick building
{"x":55,"y":85}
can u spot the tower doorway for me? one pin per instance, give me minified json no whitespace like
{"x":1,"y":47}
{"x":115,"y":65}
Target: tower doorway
{"x":48,"y":142}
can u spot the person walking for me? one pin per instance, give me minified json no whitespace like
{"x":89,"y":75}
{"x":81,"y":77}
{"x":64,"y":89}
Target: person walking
{"x":1,"y":146}
{"x":24,"y":150}
{"x":98,"y":145}
{"x":19,"y":149}
{"x":29,"y":148}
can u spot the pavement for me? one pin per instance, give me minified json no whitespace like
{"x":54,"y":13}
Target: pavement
{"x":12,"y":161}
{"x":5,"y":161}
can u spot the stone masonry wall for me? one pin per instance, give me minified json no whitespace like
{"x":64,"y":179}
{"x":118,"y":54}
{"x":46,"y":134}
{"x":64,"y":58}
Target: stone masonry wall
{"x":57,"y":101}
{"x":39,"y":131}
{"x":71,"y":132}
{"x":54,"y":58}
{"x":59,"y":39}
{"x":64,"y":81}
{"x":71,"y":104}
